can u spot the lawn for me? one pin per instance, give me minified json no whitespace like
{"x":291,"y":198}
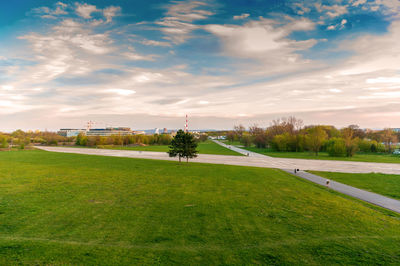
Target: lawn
{"x":206,"y":147}
{"x":69,"y":209}
{"x":384,"y":184}
{"x":359,"y":157}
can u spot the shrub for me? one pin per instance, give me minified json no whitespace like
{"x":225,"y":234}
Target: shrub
{"x":52,"y":142}
{"x":246,"y":140}
{"x":336,"y":147}
{"x":4,"y":143}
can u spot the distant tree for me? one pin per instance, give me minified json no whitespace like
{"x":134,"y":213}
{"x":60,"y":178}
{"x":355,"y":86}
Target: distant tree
{"x":239,"y":130}
{"x":315,"y":138}
{"x":258,"y":136}
{"x":357,"y":131}
{"x":389,"y":138}
{"x":230,"y":136}
{"x":78,"y":139}
{"x":336,"y":147}
{"x":4,"y":143}
{"x":280,"y":142}
{"x":202,"y":137}
{"x":183,"y":145}
{"x":349,"y":141}
{"x":246,"y":140}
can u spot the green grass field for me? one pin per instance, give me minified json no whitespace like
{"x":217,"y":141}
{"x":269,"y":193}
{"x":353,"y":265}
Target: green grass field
{"x":387,"y":185}
{"x":206,"y":147}
{"x":377,"y":158}
{"x":69,"y":209}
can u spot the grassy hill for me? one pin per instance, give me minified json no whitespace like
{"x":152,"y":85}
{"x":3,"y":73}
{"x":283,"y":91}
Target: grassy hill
{"x":78,"y":209}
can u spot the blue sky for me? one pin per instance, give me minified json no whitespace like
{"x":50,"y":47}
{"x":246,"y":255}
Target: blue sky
{"x":146,"y":64}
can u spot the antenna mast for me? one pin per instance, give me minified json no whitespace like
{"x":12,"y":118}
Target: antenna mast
{"x":186,"y":125}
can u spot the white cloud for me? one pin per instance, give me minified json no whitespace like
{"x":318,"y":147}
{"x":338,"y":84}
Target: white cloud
{"x":110,"y":12}
{"x":7,"y":87}
{"x":301,"y":8}
{"x":338,"y":26}
{"x":46,"y":12}
{"x":177,"y":23}
{"x":122,"y":92}
{"x":390,"y":8}
{"x":85,"y":10}
{"x":242,"y":16}
{"x":156,"y":43}
{"x":359,"y":2}
{"x":267,"y":42}
{"x":331,"y":11}
{"x":391,"y":80}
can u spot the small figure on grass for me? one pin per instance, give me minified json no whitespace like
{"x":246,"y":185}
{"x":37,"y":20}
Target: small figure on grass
{"x":183,"y":145}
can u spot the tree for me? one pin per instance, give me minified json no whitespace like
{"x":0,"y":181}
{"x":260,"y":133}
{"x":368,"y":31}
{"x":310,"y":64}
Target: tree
{"x":336,"y":147}
{"x":239,"y":130}
{"x":230,"y":136}
{"x":183,"y":145}
{"x":258,"y":136}
{"x":315,"y":138}
{"x":4,"y":143}
{"x":349,"y":141}
{"x":389,"y":138}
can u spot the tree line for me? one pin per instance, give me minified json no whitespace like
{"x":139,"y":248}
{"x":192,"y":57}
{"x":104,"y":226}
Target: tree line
{"x":290,"y":135}
{"x":90,"y":141}
{"x":21,"y":139}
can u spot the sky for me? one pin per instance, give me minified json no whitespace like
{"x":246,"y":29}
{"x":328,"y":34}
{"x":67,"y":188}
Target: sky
{"x":145,"y":64}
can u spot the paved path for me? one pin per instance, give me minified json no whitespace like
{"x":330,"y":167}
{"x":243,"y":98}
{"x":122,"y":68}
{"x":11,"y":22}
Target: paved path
{"x":367,"y":196}
{"x":241,"y":151}
{"x":258,"y":160}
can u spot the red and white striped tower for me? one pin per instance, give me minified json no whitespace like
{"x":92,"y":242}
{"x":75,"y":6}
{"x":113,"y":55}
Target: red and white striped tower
{"x":89,"y":125}
{"x":186,"y":125}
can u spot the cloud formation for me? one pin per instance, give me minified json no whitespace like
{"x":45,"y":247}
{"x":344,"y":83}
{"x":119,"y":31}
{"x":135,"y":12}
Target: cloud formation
{"x":220,"y":66}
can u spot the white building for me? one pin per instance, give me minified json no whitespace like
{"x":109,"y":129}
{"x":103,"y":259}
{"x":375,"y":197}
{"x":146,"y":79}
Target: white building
{"x":70,"y":132}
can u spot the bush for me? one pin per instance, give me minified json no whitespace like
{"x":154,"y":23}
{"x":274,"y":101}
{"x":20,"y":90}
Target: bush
{"x":336,"y":147}
{"x":380,"y":147}
{"x":367,"y":145}
{"x":246,"y":140}
{"x":279,"y":143}
{"x":52,"y":142}
{"x":4,"y":143}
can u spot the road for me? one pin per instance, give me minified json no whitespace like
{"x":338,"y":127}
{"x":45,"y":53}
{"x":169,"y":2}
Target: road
{"x":258,"y":160}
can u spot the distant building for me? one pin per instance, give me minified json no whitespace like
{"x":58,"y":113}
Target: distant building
{"x":139,"y":132}
{"x":397,"y":130}
{"x":109,"y":131}
{"x":70,"y":132}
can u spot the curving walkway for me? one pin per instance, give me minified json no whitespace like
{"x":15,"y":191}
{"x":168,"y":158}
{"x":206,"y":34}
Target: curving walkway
{"x":367,"y":196}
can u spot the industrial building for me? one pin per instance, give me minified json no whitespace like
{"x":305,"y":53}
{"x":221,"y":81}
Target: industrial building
{"x":70,"y":132}
{"x":109,"y":131}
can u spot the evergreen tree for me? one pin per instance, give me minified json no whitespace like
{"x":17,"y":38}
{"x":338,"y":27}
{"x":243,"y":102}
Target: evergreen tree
{"x":183,"y":145}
